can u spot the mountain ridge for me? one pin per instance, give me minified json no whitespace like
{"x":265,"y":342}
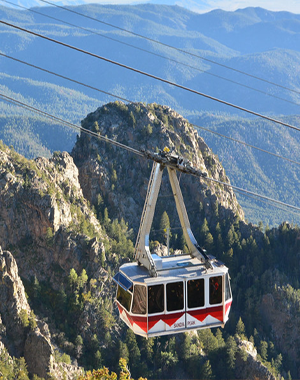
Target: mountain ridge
{"x":216,"y":36}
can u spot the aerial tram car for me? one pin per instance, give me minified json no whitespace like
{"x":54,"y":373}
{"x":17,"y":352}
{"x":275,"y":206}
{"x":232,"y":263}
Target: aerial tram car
{"x":177,"y":293}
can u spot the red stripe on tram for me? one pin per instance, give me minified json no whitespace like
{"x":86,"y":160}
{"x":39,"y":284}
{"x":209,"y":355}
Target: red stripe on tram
{"x":139,"y":321}
{"x":227,"y":306}
{"x":169,"y":319}
{"x":153,"y":320}
{"x":201,"y":314}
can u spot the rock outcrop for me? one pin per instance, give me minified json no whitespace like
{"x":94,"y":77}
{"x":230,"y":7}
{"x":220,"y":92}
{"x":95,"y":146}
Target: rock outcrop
{"x":12,"y":302}
{"x":247,"y":364}
{"x":31,"y":341}
{"x":121,"y":178}
{"x":14,"y":309}
{"x":41,"y":208}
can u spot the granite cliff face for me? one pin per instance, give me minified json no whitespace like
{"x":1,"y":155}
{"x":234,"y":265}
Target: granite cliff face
{"x":22,"y":333}
{"x":248,"y":366}
{"x":113,"y":172}
{"x":41,"y":209}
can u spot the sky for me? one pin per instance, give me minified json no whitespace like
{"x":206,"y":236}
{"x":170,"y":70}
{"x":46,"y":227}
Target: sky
{"x":207,"y":5}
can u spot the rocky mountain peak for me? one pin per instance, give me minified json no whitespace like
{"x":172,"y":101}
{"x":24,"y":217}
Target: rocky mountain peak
{"x":121,"y":178}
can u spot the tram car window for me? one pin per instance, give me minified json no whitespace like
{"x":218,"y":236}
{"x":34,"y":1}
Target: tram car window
{"x":139,"y":300}
{"x":215,"y":290}
{"x":124,"y":297}
{"x":156,"y":299}
{"x":195,"y":290}
{"x":175,"y":296}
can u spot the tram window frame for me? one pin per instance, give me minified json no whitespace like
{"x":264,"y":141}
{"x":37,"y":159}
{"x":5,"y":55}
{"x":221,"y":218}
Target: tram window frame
{"x":139,"y":301}
{"x":156,"y":299}
{"x":195,"y":298}
{"x":228,"y":293}
{"x":176,"y":302}
{"x":215,"y":290}
{"x":124,"y":297}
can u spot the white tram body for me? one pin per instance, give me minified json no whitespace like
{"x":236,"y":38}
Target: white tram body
{"x":185,"y":296}
{"x":172,"y":294}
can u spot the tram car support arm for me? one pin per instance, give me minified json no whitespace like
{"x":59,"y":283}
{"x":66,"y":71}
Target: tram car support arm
{"x":142,"y":251}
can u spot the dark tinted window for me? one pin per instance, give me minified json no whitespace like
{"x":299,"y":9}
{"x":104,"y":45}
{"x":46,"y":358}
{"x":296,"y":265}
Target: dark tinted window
{"x":120,"y":279}
{"x":139,"y":300}
{"x":124,"y":297}
{"x":215,"y":290}
{"x":195,"y":289}
{"x":156,"y":299}
{"x":175,"y":296}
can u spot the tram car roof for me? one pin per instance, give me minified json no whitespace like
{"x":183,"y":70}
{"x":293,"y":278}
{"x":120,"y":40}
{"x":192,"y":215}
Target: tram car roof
{"x":172,"y":267}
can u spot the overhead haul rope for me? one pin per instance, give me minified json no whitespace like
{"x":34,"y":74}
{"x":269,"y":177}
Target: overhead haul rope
{"x":130,"y":101}
{"x":137,"y":152}
{"x":152,"y":76}
{"x":64,"y":77}
{"x":71,"y":125}
{"x":246,"y":144}
{"x":150,"y":52}
{"x":171,"y":47}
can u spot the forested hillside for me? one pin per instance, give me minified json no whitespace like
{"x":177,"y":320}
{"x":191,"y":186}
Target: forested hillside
{"x":66,"y":243}
{"x":274,"y":175}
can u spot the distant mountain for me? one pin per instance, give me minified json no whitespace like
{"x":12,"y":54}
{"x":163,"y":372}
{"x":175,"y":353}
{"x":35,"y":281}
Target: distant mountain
{"x":193,"y":5}
{"x":262,"y":43}
{"x":37,"y":3}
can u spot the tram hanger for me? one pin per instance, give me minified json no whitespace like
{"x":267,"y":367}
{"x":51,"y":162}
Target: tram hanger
{"x":166,"y":295}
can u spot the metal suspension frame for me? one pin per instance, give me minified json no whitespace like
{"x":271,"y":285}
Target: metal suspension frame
{"x":142,"y":251}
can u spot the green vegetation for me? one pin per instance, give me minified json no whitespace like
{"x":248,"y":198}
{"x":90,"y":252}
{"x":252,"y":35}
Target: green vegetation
{"x":255,"y":170}
{"x":12,"y":368}
{"x":209,"y":354}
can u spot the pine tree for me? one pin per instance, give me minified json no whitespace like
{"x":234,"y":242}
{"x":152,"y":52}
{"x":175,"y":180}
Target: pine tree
{"x":123,"y":351}
{"x":231,"y":348}
{"x":206,"y":371}
{"x":164,"y":226}
{"x":209,"y":242}
{"x":263,"y":348}
{"x":134,"y":351}
{"x":240,"y":329}
{"x":204,"y":230}
{"x":186,"y":347}
{"x":82,"y":279}
{"x":219,"y":336}
{"x":73,"y":279}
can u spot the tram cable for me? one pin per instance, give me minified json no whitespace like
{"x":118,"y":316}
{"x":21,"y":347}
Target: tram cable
{"x":151,"y":76}
{"x":70,"y":125}
{"x":153,"y":53}
{"x":139,"y":152}
{"x":171,"y":47}
{"x":246,"y":144}
{"x":64,"y":77}
{"x":130,"y":101}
